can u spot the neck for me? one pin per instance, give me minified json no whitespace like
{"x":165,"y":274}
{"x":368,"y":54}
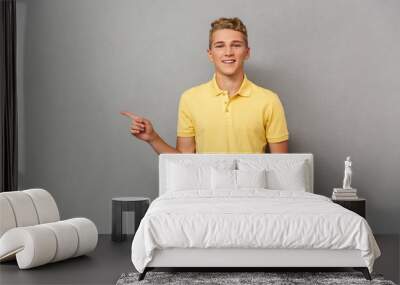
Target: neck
{"x":230,"y":83}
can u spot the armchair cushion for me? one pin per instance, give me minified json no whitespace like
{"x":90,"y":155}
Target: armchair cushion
{"x":40,"y":244}
{"x":30,"y":230}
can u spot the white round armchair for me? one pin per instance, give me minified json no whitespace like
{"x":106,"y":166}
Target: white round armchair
{"x":31,"y":230}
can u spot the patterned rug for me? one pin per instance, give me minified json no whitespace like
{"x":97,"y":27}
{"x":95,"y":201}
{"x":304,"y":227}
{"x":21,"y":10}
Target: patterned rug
{"x":270,"y":278}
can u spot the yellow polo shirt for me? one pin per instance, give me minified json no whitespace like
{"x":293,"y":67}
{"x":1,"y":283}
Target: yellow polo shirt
{"x":242,"y":123}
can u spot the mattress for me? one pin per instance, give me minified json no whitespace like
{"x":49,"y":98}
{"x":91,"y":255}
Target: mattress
{"x":253,"y":218}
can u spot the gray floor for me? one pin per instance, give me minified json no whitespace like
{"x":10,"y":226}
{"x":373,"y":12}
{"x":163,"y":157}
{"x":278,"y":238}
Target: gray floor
{"x":110,"y":259}
{"x":102,"y":266}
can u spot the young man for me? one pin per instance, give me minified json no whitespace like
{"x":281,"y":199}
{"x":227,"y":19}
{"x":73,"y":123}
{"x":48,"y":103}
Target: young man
{"x":228,"y":114}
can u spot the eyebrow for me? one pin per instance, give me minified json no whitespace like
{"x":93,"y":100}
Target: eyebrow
{"x":235,"y":41}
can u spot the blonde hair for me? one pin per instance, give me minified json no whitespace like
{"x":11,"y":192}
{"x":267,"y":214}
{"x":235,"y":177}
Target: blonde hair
{"x":228,"y":23}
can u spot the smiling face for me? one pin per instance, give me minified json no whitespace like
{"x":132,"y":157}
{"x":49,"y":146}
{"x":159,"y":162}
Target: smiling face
{"x":228,"y":52}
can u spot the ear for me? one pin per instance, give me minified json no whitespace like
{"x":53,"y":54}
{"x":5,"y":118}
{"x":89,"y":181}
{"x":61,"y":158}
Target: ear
{"x":248,"y":54}
{"x":209,"y":54}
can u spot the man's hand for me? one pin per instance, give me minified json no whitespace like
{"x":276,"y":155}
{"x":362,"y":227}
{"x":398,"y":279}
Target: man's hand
{"x":141,"y":128}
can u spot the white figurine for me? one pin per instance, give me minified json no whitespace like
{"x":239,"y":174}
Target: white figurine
{"x":347,"y":174}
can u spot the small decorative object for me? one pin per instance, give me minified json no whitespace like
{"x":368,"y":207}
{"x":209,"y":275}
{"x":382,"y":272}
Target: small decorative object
{"x":347,"y":174}
{"x":347,"y":192}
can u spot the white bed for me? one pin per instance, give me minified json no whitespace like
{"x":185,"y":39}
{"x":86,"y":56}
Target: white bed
{"x":248,"y":227}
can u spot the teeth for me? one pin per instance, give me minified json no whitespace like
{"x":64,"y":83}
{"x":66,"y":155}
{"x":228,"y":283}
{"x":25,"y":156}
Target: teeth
{"x":228,"y":61}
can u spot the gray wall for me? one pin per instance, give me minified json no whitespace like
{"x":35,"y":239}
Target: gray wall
{"x":335,"y":65}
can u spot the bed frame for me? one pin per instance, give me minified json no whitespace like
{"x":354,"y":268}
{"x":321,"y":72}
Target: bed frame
{"x":250,"y":258}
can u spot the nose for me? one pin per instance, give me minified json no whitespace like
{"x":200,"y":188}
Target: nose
{"x":228,"y":51}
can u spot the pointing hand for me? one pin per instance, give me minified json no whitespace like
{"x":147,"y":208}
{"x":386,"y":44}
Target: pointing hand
{"x":140,"y":127}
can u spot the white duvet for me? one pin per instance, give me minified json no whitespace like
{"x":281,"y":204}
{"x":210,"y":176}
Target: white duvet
{"x":250,"y":218}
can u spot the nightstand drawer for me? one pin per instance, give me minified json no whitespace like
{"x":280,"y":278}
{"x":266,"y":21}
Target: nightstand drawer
{"x":357,"y":206}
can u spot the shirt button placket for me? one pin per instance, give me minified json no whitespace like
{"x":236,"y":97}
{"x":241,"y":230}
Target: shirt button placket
{"x":229,"y":124}
{"x":226,"y":102}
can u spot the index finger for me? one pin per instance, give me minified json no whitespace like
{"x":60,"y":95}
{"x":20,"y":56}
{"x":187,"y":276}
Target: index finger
{"x":129,"y":115}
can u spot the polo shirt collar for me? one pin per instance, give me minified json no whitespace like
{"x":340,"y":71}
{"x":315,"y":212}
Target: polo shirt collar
{"x":244,"y":89}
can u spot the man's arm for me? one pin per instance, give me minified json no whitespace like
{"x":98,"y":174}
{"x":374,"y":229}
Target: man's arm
{"x":183,"y":145}
{"x":277,"y":134}
{"x":281,"y":147}
{"x":142,"y":129}
{"x":186,"y":144}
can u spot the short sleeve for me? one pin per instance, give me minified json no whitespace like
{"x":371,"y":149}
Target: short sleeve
{"x":276,"y":127}
{"x":185,"y":126}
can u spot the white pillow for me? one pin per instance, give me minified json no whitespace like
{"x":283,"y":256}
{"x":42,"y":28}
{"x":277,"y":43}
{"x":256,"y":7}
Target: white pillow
{"x":190,"y":174}
{"x":251,"y":178}
{"x":223,"y":178}
{"x":287,"y":179}
{"x":236,"y":179}
{"x":284,"y":174}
